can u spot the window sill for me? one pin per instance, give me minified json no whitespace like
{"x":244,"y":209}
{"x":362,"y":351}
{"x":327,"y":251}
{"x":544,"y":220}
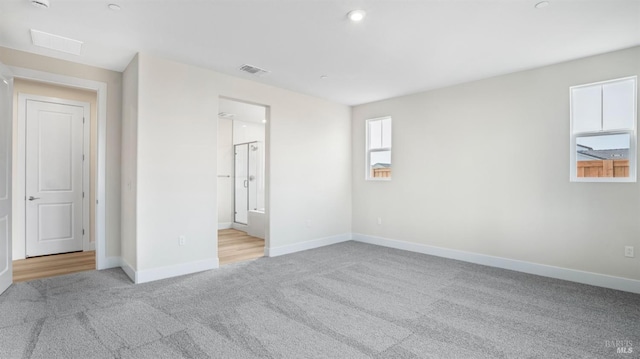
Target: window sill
{"x":602,"y":180}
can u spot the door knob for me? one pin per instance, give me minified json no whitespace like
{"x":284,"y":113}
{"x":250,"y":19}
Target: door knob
{"x":32,"y":198}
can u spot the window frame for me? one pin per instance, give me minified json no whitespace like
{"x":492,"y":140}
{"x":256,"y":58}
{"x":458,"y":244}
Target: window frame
{"x":632,"y":132}
{"x":368,"y":150}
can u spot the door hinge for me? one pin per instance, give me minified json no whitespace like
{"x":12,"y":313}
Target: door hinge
{"x":82,"y":194}
{"x":83,"y":157}
{"x":83,"y":231}
{"x":83,"y":120}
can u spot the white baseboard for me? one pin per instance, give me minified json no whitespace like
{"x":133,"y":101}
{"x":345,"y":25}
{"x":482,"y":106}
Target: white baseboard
{"x":596,"y":279}
{"x":238,"y":226}
{"x":128,"y":269}
{"x":112,"y":262}
{"x":225,"y":225}
{"x":303,"y":246}
{"x":150,"y":275}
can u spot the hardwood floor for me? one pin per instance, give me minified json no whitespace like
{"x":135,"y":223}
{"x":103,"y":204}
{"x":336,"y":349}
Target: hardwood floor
{"x":53,"y":265}
{"x":236,"y":246}
{"x":233,"y":246}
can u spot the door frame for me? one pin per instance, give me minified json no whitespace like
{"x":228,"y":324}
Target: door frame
{"x":21,"y":173}
{"x":6,"y":114}
{"x":102,"y":262}
{"x":267,"y":170}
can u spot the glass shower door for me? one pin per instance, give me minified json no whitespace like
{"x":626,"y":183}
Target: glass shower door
{"x":255,"y":176}
{"x":241,"y":176}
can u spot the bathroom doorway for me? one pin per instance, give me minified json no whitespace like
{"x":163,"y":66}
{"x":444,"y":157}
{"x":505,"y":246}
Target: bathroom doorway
{"x":241,"y":180}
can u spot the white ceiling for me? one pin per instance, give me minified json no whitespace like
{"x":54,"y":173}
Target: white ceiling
{"x":401,"y":47}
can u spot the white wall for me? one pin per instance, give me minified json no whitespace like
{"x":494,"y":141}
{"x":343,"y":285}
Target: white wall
{"x":483,"y":167}
{"x":176,"y":163}
{"x":244,"y":132}
{"x":129,"y":179}
{"x":225,"y":168}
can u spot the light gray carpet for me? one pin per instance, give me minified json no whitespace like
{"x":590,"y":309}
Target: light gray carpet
{"x":349,"y":300}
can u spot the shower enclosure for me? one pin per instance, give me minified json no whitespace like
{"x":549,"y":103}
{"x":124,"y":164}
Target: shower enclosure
{"x":249,"y":180}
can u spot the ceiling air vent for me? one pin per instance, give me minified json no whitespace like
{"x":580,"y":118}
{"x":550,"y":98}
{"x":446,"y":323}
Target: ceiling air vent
{"x":44,"y":4}
{"x":253,"y":70}
{"x":56,"y":42}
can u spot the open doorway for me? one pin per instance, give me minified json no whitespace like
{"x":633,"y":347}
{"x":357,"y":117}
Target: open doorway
{"x":241,"y":180}
{"x":54,"y":180}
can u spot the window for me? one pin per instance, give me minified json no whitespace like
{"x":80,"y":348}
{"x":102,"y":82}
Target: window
{"x":378,"y":149}
{"x":603,"y":131}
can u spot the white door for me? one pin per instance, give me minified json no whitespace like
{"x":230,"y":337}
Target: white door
{"x":54,"y":177}
{"x":6,"y":270}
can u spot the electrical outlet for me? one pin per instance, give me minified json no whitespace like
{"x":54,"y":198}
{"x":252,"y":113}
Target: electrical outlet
{"x":182,"y":240}
{"x":628,"y":251}
{"x":379,"y":220}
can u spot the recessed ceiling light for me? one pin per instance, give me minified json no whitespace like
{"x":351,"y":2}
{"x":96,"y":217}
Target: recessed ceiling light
{"x":324,"y":77}
{"x":356,"y":15}
{"x":264,"y":121}
{"x":44,"y":4}
{"x":114,"y":7}
{"x":542,"y":4}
